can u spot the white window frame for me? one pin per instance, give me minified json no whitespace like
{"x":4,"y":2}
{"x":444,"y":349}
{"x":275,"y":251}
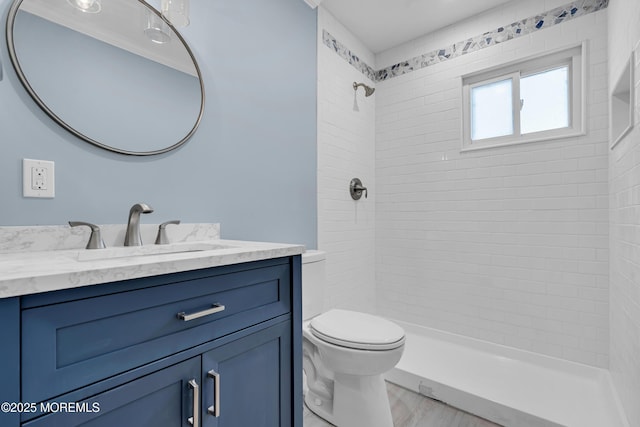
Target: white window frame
{"x":574,"y":57}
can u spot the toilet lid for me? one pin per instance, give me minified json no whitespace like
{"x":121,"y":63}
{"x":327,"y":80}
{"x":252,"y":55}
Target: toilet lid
{"x":357,"y":330}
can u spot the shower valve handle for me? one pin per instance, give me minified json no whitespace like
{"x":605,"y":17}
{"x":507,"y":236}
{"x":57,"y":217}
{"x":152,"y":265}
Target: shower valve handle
{"x":361,"y":188}
{"x":356,"y":188}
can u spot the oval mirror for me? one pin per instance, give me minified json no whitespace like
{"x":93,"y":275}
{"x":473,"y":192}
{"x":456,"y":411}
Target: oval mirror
{"x":114,"y":73}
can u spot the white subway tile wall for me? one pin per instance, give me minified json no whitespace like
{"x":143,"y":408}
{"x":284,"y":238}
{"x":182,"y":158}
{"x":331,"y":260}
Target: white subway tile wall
{"x":624,"y":170}
{"x":508,"y":244}
{"x":346,"y":150}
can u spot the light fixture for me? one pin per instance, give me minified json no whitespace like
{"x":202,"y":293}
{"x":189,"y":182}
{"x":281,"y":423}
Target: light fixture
{"x":155,"y":28}
{"x":87,"y":6}
{"x":176,"y":12}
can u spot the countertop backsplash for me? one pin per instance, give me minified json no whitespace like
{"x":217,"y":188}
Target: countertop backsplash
{"x":34,"y":238}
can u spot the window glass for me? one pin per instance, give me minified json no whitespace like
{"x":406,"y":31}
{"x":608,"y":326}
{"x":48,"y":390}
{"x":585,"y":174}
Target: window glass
{"x":492,"y":110}
{"x":537,"y":99}
{"x":545,"y":100}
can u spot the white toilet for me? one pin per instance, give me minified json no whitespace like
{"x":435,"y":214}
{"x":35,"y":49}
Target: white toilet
{"x":345,"y":355}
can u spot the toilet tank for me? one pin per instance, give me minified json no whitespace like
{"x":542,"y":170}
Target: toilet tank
{"x":313,"y":283}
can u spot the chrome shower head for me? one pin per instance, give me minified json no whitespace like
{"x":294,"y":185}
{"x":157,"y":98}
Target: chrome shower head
{"x":368,"y":91}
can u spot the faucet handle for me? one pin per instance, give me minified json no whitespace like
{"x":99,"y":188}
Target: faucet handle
{"x":162,"y":238}
{"x":95,"y":240}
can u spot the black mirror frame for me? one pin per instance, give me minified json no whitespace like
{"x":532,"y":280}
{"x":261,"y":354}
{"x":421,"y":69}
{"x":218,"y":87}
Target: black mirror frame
{"x":16,"y":64}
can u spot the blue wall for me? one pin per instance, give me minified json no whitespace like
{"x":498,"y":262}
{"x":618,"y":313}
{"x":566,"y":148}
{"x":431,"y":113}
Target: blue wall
{"x":250,"y":166}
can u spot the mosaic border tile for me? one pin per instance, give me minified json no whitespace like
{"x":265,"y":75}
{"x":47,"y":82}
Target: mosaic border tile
{"x":505,"y":33}
{"x":347,"y":55}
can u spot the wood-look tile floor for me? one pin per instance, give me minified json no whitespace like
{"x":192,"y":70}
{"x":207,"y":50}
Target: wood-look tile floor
{"x":410,"y":409}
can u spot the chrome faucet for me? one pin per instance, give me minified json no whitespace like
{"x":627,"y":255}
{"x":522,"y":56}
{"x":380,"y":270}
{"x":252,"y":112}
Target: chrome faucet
{"x":132,"y":237}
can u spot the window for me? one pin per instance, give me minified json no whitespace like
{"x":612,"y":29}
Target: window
{"x":533,"y":100}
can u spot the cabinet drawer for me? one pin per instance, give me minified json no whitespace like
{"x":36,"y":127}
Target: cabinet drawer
{"x":71,"y":344}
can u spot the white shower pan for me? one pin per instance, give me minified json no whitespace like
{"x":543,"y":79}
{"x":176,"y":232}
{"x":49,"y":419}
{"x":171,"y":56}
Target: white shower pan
{"x":511,"y":387}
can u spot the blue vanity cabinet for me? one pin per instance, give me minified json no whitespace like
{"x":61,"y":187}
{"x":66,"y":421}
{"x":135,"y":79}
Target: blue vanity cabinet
{"x":69,"y":343}
{"x":149,"y":351}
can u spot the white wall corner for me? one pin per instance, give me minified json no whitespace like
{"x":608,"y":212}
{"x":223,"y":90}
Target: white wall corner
{"x":313,"y":3}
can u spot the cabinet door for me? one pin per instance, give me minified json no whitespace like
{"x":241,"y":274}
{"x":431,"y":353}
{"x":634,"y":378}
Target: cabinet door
{"x":164,"y":398}
{"x":248,"y":381}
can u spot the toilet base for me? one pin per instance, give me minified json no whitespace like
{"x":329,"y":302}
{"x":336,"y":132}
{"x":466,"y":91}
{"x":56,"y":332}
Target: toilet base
{"x":357,"y":401}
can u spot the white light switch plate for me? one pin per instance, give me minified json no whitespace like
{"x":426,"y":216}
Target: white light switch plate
{"x":38,"y":178}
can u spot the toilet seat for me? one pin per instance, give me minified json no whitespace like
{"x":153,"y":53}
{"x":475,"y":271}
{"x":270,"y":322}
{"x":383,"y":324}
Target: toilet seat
{"x":356,"y":330}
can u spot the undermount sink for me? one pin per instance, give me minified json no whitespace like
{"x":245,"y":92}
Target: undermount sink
{"x":150,"y":250}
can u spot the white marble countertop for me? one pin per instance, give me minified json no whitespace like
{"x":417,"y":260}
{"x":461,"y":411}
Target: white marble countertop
{"x":35,"y":271}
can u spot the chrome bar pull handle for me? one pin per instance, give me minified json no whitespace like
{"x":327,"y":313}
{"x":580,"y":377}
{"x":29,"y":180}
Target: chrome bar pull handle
{"x":195,"y":420}
{"x":215,"y":308}
{"x":215,"y":409}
